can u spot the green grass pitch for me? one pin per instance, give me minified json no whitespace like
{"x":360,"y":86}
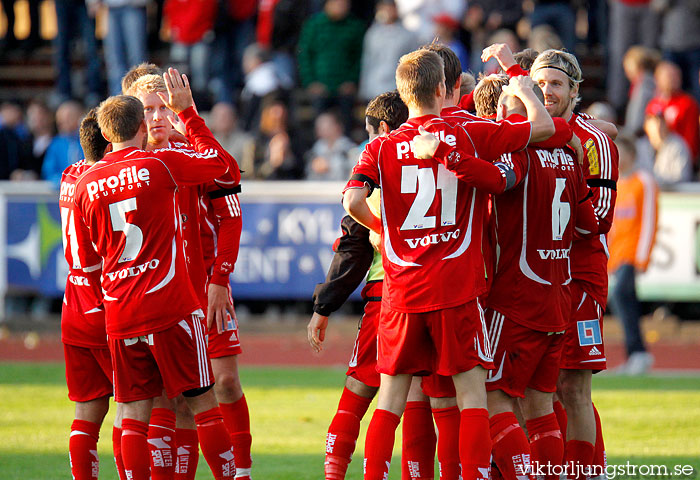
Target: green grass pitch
{"x":648,"y":420}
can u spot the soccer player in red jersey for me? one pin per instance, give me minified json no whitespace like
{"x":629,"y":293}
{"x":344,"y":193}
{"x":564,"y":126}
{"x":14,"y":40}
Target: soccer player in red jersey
{"x":354,"y":256}
{"x":211,"y":219}
{"x":88,"y":364}
{"x":129,"y":203}
{"x":559,"y":75}
{"x":221,"y":225}
{"x":427,"y":317}
{"x":529,"y":302}
{"x":439,"y":388}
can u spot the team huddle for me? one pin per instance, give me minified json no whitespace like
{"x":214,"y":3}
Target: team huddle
{"x":151,"y":227}
{"x":479,"y":221}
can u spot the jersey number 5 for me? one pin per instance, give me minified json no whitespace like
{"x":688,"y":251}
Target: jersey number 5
{"x":561,"y":211}
{"x":133,"y":234}
{"x":421,"y":181}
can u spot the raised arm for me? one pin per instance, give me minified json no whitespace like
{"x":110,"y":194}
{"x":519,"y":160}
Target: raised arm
{"x":542,"y":124}
{"x":179,"y":100}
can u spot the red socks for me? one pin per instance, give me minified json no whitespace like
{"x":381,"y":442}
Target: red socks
{"x":418,"y":444}
{"x":579,"y":455}
{"x":187,"y":453}
{"x":135,"y":449}
{"x":600,"y":460}
{"x":82,"y":450}
{"x":379,"y":444}
{"x":447,"y":421}
{"x":511,"y":450}
{"x":475,"y":443}
{"x":216,"y":443}
{"x":237,"y":421}
{"x":343,"y":432}
{"x":561,"y":418}
{"x":161,"y":440}
{"x":117,"y":448}
{"x":546,"y":445}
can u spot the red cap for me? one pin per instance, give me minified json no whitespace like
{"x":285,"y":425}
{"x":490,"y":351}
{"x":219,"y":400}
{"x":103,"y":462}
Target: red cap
{"x":448,"y":21}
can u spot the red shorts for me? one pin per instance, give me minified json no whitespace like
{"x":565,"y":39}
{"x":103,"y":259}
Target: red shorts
{"x":88,"y":372}
{"x":226,"y":343}
{"x":447,"y":341}
{"x":438,"y":386}
{"x":175,"y":359}
{"x":524,"y":358}
{"x":363,"y":364}
{"x":583,"y":340}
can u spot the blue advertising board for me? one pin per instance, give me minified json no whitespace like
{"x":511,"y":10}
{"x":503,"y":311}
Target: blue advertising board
{"x":286,"y":246}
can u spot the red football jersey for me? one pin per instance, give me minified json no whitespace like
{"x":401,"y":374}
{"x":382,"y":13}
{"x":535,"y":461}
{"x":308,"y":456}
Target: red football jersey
{"x":202,"y":210}
{"x":431,"y":221}
{"x":82,"y":315}
{"x":458,"y":114}
{"x":221,"y":229}
{"x":589,"y":256}
{"x":129,"y":203}
{"x":534,"y":231}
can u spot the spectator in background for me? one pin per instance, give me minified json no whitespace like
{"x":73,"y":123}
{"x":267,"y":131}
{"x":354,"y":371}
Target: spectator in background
{"x":680,"y":39}
{"x":483,"y":18}
{"x":12,"y":116}
{"x":543,"y":37}
{"x":330,"y":48}
{"x":41,"y":129}
{"x":125,"y":42}
{"x":602,"y":111}
{"x":276,"y":153}
{"x":639,"y":64}
{"x":14,"y":147}
{"x":385,"y":42}
{"x":446,"y":31}
{"x":419,"y":15}
{"x":223,"y":123}
{"x":679,"y":109}
{"x":191,"y":32}
{"x":278,"y":28}
{"x":632,"y":22}
{"x":672,"y":162}
{"x":64,"y":149}
{"x":234,"y":30}
{"x":261,"y":80}
{"x":631,"y":240}
{"x":597,"y":13}
{"x":331,"y":157}
{"x":72,"y":18}
{"x":560,"y":15}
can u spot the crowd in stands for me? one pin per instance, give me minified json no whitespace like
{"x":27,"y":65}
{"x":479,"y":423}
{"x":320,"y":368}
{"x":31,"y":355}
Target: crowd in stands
{"x":285,"y":82}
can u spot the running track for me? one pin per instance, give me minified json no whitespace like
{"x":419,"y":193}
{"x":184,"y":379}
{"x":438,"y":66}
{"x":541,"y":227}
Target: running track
{"x":286,"y":345}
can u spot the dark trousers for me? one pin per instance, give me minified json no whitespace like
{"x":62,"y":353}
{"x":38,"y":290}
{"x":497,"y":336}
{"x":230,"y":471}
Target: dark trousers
{"x":623,"y":300}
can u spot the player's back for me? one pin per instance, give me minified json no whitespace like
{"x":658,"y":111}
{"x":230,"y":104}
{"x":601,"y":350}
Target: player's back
{"x":130,"y":206}
{"x":82,"y":315}
{"x":431,"y":234}
{"x":534,"y":231}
